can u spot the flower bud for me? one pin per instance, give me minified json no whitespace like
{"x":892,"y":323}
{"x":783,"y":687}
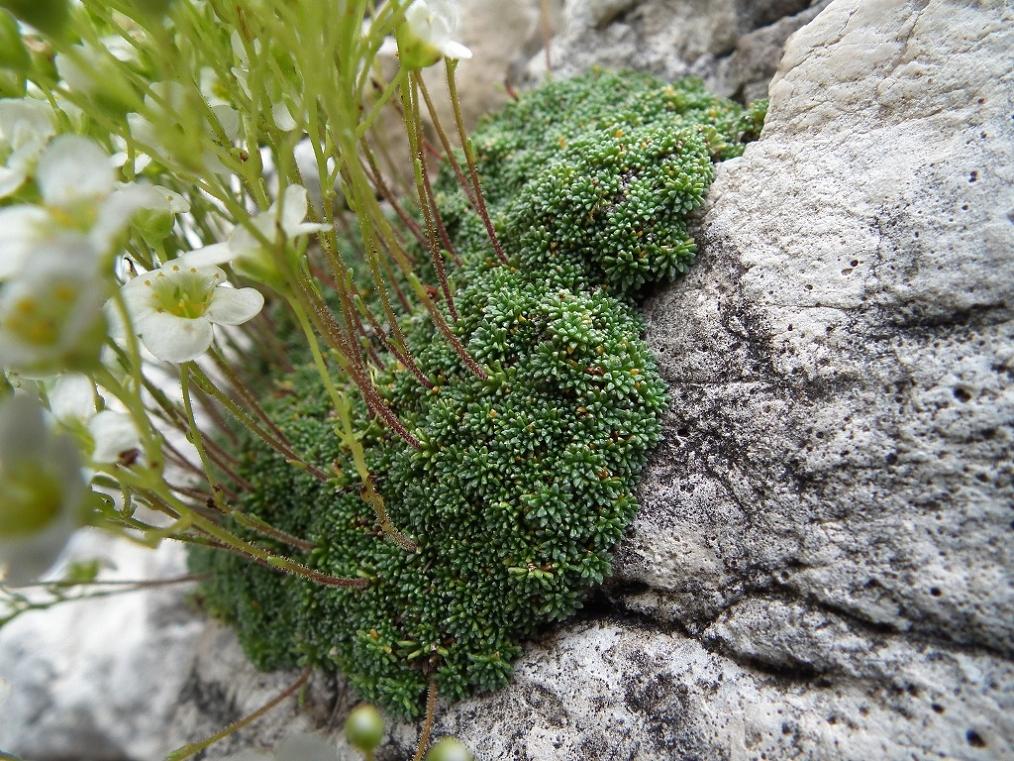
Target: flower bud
{"x":364,"y":728}
{"x":449,"y":749}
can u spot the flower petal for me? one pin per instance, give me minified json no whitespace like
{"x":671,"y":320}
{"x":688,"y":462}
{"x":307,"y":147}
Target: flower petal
{"x":25,"y":559}
{"x":11,"y":178}
{"x":234,"y":306}
{"x":72,"y":397}
{"x":23,"y":433}
{"x":453,"y":49}
{"x":25,"y":120}
{"x":114,"y":433}
{"x":174,"y":339}
{"x":228,"y":118}
{"x":209,"y":256}
{"x":72,"y":169}
{"x":118,"y":208}
{"x":294,"y":209}
{"x":21,"y":227}
{"x":283,"y":117}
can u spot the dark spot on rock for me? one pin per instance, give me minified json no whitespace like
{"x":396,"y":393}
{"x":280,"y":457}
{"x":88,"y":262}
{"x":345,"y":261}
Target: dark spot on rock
{"x":973,"y":176}
{"x":975,"y":739}
{"x":935,"y":591}
{"x":890,"y":458}
{"x":961,"y":394}
{"x":937,"y":708}
{"x":854,"y":263}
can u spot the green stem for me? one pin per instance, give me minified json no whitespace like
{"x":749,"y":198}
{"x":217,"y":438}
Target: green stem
{"x":206,"y":385}
{"x":348,"y":437}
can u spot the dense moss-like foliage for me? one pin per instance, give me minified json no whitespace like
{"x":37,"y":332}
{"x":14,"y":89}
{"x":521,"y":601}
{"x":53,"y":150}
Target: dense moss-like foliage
{"x":523,"y":480}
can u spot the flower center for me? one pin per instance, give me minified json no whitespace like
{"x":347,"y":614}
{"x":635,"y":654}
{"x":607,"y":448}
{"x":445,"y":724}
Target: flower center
{"x":39,"y":322}
{"x":183,"y":293}
{"x":32,"y":499}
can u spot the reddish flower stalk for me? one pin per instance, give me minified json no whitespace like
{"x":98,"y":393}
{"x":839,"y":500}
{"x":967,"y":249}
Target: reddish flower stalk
{"x":410,"y":100}
{"x":470,"y":159}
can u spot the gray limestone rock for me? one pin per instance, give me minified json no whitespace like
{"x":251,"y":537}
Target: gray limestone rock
{"x":734,"y":45}
{"x":99,"y":680}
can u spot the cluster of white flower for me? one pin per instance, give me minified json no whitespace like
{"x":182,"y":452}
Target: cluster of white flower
{"x":61,"y":234}
{"x":76,"y":299}
{"x":147,"y":158}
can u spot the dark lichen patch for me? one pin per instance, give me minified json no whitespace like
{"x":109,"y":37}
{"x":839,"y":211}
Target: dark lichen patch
{"x":523,"y":480}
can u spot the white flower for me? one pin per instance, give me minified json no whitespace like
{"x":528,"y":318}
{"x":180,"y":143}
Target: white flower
{"x":71,"y":398}
{"x":245,"y":249}
{"x":428,"y":33}
{"x":113,"y":434}
{"x":51,"y":313}
{"x":174,"y":308}
{"x":25,"y":127}
{"x":71,"y":72}
{"x":291,"y":217}
{"x":43,"y":491}
{"x":107,"y":434}
{"x":74,"y":170}
{"x":77,"y":183}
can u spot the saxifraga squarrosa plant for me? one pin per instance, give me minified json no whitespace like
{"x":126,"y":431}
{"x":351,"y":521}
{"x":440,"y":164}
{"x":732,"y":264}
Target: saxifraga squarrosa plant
{"x":524,"y":475}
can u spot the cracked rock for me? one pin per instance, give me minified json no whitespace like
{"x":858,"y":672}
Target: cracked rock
{"x":734,"y":45}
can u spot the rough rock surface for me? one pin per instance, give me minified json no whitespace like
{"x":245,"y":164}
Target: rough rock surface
{"x":734,"y":45}
{"x":98,"y":680}
{"x":822,"y":565}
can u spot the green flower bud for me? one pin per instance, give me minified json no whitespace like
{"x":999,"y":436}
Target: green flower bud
{"x":449,"y":749}
{"x":364,"y":728}
{"x":48,"y":16}
{"x":413,"y":51}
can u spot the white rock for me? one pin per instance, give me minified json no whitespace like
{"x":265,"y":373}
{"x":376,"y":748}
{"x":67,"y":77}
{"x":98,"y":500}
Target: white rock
{"x":99,"y":679}
{"x":840,"y":358}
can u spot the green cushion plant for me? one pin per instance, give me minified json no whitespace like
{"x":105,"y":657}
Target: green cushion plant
{"x":524,"y":479}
